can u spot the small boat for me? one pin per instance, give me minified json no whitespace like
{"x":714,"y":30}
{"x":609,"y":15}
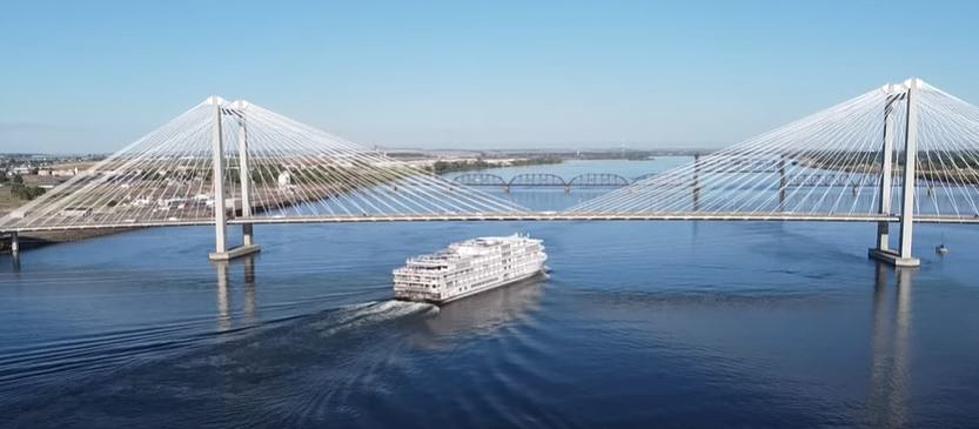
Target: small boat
{"x":941,"y":250}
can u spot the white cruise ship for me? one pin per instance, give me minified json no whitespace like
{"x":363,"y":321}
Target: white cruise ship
{"x":469,"y":267}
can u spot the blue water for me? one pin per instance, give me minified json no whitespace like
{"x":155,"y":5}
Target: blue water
{"x":640,"y":324}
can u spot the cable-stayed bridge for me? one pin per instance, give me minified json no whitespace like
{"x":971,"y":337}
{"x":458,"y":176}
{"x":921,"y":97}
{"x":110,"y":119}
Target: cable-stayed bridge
{"x":237,"y":163}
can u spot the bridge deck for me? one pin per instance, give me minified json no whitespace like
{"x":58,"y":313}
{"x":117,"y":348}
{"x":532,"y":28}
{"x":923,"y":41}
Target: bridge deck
{"x":527,"y":216}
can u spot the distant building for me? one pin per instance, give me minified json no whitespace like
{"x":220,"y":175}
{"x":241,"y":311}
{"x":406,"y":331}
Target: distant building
{"x":285,"y":179}
{"x":64,"y":172}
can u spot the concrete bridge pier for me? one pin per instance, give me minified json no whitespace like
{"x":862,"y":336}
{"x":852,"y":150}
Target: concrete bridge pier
{"x":221,"y":250}
{"x":15,"y":250}
{"x":247,"y":231}
{"x":901,"y":257}
{"x":14,"y":244}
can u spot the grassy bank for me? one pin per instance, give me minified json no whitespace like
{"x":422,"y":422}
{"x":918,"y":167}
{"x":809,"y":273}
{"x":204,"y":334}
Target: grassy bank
{"x":443,"y":167}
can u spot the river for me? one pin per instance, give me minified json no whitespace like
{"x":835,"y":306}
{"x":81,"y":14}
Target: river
{"x":648,"y":324}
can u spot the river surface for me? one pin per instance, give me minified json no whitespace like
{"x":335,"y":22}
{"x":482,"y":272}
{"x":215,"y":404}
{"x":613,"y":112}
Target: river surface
{"x":639,"y":324}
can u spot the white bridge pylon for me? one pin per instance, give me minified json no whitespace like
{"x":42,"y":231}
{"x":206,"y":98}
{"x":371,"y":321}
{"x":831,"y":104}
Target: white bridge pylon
{"x":223,"y":162}
{"x":911,"y":134}
{"x":237,"y":163}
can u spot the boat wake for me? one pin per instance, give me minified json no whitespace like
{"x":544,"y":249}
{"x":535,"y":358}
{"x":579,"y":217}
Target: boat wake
{"x":362,"y":315}
{"x":300,"y":348}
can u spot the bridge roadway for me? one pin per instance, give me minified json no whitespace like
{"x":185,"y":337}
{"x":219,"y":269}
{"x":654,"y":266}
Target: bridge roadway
{"x":527,"y":216}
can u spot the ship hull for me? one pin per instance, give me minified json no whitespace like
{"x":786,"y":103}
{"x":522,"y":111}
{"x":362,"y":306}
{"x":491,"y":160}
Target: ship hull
{"x":504,"y":283}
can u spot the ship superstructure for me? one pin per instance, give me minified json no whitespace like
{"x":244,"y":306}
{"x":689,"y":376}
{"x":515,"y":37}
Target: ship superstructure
{"x":469,"y":267}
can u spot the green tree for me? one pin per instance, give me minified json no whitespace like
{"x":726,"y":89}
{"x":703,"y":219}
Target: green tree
{"x":26,"y":192}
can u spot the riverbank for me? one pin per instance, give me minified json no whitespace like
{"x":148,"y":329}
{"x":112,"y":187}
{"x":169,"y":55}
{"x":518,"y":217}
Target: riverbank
{"x":456,"y":166}
{"x":960,"y":173}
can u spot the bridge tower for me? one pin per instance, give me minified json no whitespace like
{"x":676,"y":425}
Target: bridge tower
{"x":247,"y":231}
{"x":901,"y":257}
{"x":221,"y":251}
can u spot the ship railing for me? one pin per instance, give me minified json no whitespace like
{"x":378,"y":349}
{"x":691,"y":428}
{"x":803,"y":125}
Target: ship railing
{"x":423,"y":262}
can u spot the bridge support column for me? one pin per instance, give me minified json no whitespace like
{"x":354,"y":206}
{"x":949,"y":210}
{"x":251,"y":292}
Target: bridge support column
{"x":14,"y":244}
{"x":886,"y":172}
{"x":217,"y":179}
{"x":903,"y":257}
{"x":15,"y":250}
{"x":221,"y":251}
{"x":247,"y":232}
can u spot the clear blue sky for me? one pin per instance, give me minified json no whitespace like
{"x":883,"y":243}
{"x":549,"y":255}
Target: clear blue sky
{"x":81,"y":76}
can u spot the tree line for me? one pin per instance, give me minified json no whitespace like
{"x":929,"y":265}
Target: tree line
{"x":20,"y":190}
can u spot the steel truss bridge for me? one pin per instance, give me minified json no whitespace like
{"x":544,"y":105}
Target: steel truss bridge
{"x":901,"y":154}
{"x":587,"y":180}
{"x":611,"y":180}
